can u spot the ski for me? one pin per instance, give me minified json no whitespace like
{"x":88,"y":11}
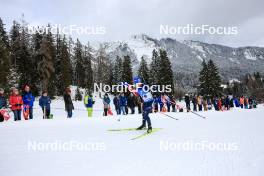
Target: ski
{"x":146,"y":133}
{"x":125,"y":129}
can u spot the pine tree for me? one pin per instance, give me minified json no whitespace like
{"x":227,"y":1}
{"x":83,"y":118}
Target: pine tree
{"x":52,"y":52}
{"x":72,"y":60}
{"x":165,"y":70}
{"x":3,"y":34}
{"x":80,"y":70}
{"x":143,"y":71}
{"x":203,"y":78}
{"x":214,"y":79}
{"x":5,"y":57}
{"x":103,"y":67}
{"x":35,"y":78}
{"x":127,"y":75}
{"x":154,"y":68}
{"x":210,"y":81}
{"x":63,"y":68}
{"x":117,"y":70}
{"x":15,"y":43}
{"x":25,"y":60}
{"x":45,"y":66}
{"x":88,"y":80}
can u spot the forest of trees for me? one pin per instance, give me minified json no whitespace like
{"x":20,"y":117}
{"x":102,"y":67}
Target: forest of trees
{"x":48,"y":61}
{"x":44,"y":61}
{"x":52,"y":62}
{"x":210,"y":84}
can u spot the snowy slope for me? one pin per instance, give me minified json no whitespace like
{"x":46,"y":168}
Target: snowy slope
{"x":186,"y":56}
{"x":121,"y":156}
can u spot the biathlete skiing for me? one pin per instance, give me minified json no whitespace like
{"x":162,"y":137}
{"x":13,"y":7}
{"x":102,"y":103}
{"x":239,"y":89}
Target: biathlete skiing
{"x":147,"y":108}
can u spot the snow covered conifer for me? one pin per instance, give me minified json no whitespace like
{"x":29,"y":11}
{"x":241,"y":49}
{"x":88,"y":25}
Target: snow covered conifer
{"x":4,"y":57}
{"x":154,"y":68}
{"x":127,"y":70}
{"x":165,"y":71}
{"x":143,"y":71}
{"x":210,"y":81}
{"x":45,"y":65}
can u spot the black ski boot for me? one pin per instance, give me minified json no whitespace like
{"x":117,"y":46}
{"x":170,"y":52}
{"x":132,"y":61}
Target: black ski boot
{"x":149,"y":129}
{"x":143,"y":126}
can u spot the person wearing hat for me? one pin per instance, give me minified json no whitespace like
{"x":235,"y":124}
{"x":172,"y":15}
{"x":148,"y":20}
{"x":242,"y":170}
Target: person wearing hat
{"x":16,"y":102}
{"x":68,"y":102}
{"x":147,"y":108}
{"x":28,"y":100}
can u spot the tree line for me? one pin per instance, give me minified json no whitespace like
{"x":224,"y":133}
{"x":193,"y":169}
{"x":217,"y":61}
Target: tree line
{"x":52,"y":62}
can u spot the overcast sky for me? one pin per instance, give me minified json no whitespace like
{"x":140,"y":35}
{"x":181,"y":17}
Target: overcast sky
{"x":122,"y":18}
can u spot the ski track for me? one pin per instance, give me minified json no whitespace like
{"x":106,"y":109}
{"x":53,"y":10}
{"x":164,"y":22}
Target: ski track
{"x":138,"y":157}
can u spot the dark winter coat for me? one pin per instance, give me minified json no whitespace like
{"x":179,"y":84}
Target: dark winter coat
{"x":106,"y":102}
{"x":123,"y":101}
{"x":156,"y":100}
{"x":194,"y":101}
{"x":236,"y":102}
{"x":116,"y":102}
{"x":3,"y":103}
{"x":28,"y":99}
{"x":187,"y":99}
{"x":44,"y":102}
{"x":147,"y":106}
{"x":68,"y":102}
{"x":131,"y":101}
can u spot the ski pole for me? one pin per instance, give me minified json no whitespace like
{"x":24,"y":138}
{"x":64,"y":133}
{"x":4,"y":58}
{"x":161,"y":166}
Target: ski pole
{"x":169,"y":116}
{"x":198,"y":114}
{"x":190,"y":111}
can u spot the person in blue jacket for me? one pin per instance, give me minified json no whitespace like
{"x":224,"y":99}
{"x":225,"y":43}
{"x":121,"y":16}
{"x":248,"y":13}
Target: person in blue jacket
{"x":3,"y":103}
{"x":28,"y":100}
{"x":88,"y":102}
{"x":44,"y":103}
{"x":123,"y":104}
{"x":156,"y":103}
{"x":161,"y":104}
{"x":147,"y":108}
{"x":117,"y":104}
{"x":236,"y":102}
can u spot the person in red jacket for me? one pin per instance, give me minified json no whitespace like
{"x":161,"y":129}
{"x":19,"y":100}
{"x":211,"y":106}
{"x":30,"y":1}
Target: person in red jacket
{"x":16,"y":102}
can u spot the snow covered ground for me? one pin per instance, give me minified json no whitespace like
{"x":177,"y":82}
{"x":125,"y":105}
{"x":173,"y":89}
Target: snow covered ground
{"x":164,"y":153}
